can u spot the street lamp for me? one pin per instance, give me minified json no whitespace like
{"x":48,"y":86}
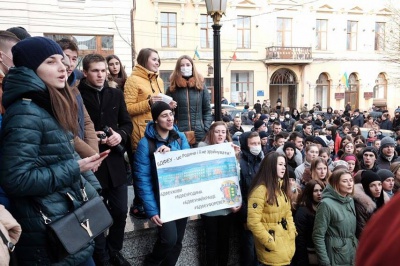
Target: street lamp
{"x":216,"y":8}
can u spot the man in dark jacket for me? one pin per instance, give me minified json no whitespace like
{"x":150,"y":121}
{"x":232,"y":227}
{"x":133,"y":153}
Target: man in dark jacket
{"x":387,"y":156}
{"x":106,"y":107}
{"x":396,"y":119}
{"x":237,"y":126}
{"x":288,"y":122}
{"x":250,"y":159}
{"x":368,"y":161}
{"x":257,"y":107}
{"x":358,"y":120}
{"x":385,"y":121}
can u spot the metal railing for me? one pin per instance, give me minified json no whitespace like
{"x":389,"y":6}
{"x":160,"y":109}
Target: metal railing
{"x":293,"y":53}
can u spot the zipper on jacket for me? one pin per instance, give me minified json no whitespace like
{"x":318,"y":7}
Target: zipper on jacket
{"x":188,"y":107}
{"x":46,"y":219}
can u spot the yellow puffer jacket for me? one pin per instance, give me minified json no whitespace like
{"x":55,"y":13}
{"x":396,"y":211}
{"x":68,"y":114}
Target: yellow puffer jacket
{"x":274,"y":244}
{"x":138,"y":88}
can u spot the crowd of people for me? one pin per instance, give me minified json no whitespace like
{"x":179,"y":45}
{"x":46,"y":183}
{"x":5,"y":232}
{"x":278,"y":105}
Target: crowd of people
{"x":310,"y":182}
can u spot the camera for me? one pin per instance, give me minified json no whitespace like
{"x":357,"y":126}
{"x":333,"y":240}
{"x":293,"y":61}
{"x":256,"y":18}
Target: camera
{"x":102,"y":136}
{"x":108,"y":133}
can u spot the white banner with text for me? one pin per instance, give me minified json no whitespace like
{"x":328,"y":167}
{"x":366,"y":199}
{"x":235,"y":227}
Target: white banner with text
{"x":197,"y":181}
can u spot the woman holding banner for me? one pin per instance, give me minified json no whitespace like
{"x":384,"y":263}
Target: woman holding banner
{"x":217,"y":223}
{"x":161,"y":135}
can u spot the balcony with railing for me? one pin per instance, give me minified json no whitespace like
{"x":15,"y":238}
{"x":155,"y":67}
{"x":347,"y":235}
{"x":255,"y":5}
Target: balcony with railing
{"x":288,"y":55}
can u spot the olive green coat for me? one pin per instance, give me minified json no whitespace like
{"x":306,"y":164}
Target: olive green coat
{"x":334,"y":229}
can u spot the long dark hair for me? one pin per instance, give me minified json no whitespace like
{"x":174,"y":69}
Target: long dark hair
{"x":268,"y":177}
{"x":122,"y":74}
{"x":306,"y":199}
{"x":62,"y":100}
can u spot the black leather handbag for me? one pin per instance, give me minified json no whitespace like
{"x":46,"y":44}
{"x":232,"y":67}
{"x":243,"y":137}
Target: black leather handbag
{"x":76,"y":229}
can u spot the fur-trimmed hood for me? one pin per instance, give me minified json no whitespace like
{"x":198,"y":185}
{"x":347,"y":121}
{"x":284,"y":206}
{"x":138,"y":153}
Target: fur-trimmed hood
{"x":366,"y":201}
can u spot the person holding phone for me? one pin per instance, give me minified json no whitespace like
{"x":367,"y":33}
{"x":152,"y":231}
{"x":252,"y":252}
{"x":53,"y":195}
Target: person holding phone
{"x":39,"y":165}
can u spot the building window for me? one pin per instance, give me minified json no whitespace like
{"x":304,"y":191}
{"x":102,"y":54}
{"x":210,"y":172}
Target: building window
{"x":242,"y":87}
{"x":321,"y":34}
{"x":88,"y":44}
{"x":351,"y":92}
{"x":380,"y":87}
{"x":379,"y":36}
{"x":168,"y":29}
{"x":206,"y":32}
{"x":164,"y":75}
{"x":352,"y":29}
{"x":284,"y":32}
{"x":243,"y":32}
{"x":322,"y":91}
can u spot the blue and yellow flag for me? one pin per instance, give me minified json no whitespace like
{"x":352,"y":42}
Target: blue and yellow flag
{"x":196,"y":54}
{"x":345,"y":80}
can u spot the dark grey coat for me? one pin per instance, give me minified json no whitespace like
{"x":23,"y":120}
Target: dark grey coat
{"x":193,"y":105}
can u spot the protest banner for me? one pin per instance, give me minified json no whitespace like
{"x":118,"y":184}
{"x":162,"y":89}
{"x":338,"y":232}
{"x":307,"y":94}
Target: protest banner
{"x":197,"y":181}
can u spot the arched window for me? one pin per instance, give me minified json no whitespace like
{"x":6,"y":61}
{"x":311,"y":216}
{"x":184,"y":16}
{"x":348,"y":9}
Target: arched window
{"x":283,"y":85}
{"x":380,"y":87}
{"x":322,"y":90}
{"x":351,"y":94}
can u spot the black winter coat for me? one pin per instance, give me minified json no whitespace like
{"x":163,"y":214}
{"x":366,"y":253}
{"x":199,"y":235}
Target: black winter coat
{"x":107,"y":108}
{"x":358,"y":121}
{"x":193,"y":111}
{"x":38,"y":167}
{"x":304,"y":221}
{"x":249,"y":165}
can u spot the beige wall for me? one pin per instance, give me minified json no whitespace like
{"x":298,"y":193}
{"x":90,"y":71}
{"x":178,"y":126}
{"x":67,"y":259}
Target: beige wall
{"x":90,"y":17}
{"x":334,"y":61}
{"x":113,"y":18}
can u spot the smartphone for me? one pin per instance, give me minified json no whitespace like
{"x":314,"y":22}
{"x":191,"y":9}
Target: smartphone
{"x":104,"y":153}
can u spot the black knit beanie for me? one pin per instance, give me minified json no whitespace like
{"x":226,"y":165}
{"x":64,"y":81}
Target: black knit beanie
{"x":289,"y":144}
{"x":32,"y":51}
{"x":367,"y":177}
{"x":157,"y":108}
{"x":384,"y":174}
{"x":20,"y":32}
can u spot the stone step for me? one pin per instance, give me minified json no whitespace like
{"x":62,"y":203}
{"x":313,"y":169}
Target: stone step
{"x":140,"y":236}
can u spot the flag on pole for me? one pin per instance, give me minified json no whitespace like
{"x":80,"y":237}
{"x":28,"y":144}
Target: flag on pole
{"x":234,"y":56}
{"x":345,"y":80}
{"x":196,"y":54}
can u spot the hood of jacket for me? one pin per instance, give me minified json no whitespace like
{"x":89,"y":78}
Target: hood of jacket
{"x":366,"y":201}
{"x":21,"y":80}
{"x":362,"y":198}
{"x":330,"y":192}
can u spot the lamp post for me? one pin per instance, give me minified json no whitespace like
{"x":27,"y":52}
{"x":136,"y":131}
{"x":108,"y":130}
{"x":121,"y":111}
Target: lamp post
{"x":216,"y":8}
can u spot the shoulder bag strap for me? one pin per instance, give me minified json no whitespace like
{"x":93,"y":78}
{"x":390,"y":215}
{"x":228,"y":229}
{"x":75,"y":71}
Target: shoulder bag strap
{"x":8,"y":244}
